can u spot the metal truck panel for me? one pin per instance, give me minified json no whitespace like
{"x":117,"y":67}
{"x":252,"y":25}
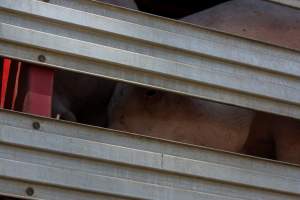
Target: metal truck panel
{"x":154,"y":51}
{"x":61,"y":160}
{"x":67,"y":159}
{"x":291,"y":3}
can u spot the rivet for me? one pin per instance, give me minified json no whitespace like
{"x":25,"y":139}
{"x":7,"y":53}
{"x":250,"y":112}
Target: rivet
{"x":36,"y":125}
{"x":42,"y":58}
{"x":30,"y":191}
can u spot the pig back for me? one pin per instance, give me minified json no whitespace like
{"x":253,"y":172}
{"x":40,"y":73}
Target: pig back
{"x":180,"y":118}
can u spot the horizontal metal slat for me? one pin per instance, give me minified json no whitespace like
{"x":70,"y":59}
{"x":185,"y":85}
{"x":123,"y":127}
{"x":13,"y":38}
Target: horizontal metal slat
{"x":149,"y":64}
{"x":93,"y":150}
{"x":148,"y":144}
{"x":131,"y":173}
{"x":292,"y":3}
{"x":82,"y":152}
{"x":263,"y":56}
{"x":199,"y":73}
{"x":17,"y":188}
{"x":81,"y":162}
{"x":79,"y":147}
{"x":93,"y":183}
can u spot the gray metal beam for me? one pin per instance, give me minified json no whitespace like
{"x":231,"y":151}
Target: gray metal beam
{"x":17,"y":188}
{"x":291,"y":3}
{"x":152,"y":51}
{"x":64,"y":157}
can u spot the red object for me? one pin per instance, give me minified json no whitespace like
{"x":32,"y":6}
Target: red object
{"x":26,"y":88}
{"x":38,"y":98}
{"x":11,"y":84}
{"x":10,"y":71}
{"x":16,"y":85}
{"x":4,"y":80}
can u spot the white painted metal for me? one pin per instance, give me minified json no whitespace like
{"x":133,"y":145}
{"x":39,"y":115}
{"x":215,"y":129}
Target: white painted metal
{"x":148,"y":50}
{"x":71,"y":161}
{"x":291,"y":3}
{"x":66,"y":160}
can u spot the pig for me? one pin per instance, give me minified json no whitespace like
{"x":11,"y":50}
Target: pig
{"x":270,"y":136}
{"x":287,"y":139}
{"x":255,"y":19}
{"x":187,"y":119}
{"x":274,"y":137}
{"x":260,"y":141}
{"x":81,"y":98}
{"x":180,"y":118}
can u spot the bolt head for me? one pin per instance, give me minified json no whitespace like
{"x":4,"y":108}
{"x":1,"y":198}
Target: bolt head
{"x":29,"y":191}
{"x":36,"y":125}
{"x":42,"y":58}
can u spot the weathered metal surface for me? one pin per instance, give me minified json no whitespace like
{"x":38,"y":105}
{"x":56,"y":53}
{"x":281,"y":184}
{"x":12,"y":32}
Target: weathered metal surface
{"x":291,"y":3}
{"x":73,"y":161}
{"x":69,"y":161}
{"x":153,"y":51}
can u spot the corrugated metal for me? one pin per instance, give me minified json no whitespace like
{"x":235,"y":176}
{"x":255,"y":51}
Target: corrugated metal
{"x":291,"y":3}
{"x":148,"y":50}
{"x":69,"y":161}
{"x":59,"y":160}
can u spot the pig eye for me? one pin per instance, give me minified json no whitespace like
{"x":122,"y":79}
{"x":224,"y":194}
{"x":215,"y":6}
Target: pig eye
{"x":151,"y":93}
